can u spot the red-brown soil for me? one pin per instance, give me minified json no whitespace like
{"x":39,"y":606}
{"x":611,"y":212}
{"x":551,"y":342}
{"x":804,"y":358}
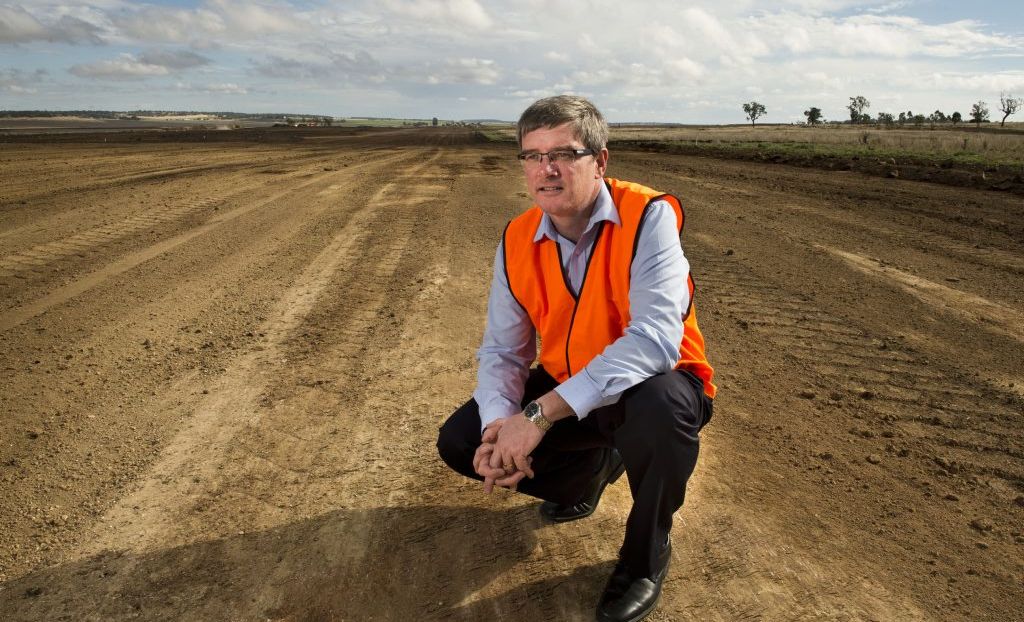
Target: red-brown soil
{"x":224,"y":365}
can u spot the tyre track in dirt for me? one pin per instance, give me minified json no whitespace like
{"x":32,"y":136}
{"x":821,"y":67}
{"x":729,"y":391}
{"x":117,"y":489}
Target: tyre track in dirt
{"x":143,"y":344}
{"x":244,"y":461}
{"x":943,"y":443}
{"x":43,"y":214}
{"x":43,"y":257}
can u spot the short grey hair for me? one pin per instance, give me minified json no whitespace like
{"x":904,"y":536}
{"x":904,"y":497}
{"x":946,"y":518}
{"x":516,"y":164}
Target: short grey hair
{"x":588,"y":125}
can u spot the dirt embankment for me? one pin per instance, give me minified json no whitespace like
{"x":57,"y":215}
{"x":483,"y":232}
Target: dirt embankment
{"x":225,"y":364}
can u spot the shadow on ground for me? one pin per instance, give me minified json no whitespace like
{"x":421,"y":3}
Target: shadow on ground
{"x":380,"y":564}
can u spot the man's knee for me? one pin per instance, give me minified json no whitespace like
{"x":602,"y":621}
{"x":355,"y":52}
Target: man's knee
{"x":455,"y":443}
{"x":667,"y":406}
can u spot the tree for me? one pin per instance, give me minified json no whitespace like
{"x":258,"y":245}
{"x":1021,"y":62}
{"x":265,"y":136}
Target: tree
{"x":919,"y":119}
{"x":903,"y":118}
{"x":813,"y":115}
{"x":434,"y":122}
{"x":857,"y":107}
{"x":956,"y":118}
{"x":1009,"y":105}
{"x":937,"y":117}
{"x":979,"y":112}
{"x":754,"y":110}
{"x":886,"y":118}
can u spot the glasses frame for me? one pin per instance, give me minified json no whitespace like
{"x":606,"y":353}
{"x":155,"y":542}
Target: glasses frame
{"x":576,"y":155}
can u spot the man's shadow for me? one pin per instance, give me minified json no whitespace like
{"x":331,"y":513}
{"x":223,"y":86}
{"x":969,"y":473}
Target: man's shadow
{"x":405,"y":563}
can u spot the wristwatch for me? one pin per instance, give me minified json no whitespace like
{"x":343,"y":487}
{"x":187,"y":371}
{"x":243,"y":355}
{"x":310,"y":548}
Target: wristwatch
{"x":535,"y":413}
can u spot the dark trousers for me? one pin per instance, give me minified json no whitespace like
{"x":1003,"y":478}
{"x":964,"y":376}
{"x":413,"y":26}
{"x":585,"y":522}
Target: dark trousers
{"x":654,"y":426}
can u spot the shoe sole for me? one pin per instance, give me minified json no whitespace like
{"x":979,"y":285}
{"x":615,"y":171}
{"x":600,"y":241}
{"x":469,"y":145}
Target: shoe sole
{"x":637,"y":617}
{"x":615,"y":475}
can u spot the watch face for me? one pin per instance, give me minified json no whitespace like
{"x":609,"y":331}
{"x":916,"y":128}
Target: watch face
{"x":532,"y":409}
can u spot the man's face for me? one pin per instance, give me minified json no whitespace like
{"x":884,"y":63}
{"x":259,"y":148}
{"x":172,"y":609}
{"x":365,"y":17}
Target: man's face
{"x":563,"y":189}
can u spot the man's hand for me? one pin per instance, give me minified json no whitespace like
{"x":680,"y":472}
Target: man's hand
{"x":517,"y":437}
{"x":482,"y":466}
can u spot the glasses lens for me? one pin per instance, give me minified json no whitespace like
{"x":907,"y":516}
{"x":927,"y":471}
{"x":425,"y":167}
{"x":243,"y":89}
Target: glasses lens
{"x":562,"y":155}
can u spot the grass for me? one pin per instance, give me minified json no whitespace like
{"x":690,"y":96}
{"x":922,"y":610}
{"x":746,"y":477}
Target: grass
{"x":961,"y":146}
{"x":964,"y":146}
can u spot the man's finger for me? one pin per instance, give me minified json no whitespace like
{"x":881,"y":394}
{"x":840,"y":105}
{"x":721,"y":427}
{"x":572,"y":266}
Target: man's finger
{"x":482,"y":454}
{"x":523,"y":464}
{"x":510,"y":481}
{"x":490,"y":434}
{"x":497,"y":461}
{"x":488,"y":484}
{"x":486,"y":471}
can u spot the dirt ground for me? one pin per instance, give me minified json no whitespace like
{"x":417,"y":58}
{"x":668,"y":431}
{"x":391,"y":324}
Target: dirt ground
{"x":224,"y":366}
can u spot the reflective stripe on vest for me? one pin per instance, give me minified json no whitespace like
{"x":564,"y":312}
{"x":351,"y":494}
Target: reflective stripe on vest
{"x":574,"y":329}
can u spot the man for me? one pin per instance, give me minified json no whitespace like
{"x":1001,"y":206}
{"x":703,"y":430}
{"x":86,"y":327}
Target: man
{"x":595,"y":269}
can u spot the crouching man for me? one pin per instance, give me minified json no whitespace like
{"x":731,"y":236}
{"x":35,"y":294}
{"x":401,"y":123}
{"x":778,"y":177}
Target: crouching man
{"x":595,"y":268}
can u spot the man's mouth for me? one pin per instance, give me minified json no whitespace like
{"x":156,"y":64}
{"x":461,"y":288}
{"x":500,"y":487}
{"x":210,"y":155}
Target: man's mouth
{"x":549,"y":188}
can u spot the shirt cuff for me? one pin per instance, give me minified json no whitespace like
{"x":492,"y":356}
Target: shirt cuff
{"x":582,"y":394}
{"x":493,"y":414}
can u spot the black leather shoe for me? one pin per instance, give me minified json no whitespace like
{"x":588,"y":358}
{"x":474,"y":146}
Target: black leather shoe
{"x":627,"y":598}
{"x":559,"y":513}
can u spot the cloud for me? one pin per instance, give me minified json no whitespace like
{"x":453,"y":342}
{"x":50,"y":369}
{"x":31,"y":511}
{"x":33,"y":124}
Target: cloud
{"x":530,"y":74}
{"x":225,"y":88}
{"x":19,"y":82}
{"x":125,"y":67}
{"x":357,"y":66}
{"x":173,"y":59}
{"x":149,"y":64}
{"x":464,"y":71}
{"x":466,"y":13}
{"x":221,"y":20}
{"x":19,"y":26}
{"x":879,"y":36}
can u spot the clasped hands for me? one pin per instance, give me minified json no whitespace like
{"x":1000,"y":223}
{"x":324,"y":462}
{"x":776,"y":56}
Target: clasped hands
{"x":503,"y":458}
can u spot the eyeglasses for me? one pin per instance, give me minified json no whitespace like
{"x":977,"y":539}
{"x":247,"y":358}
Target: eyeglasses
{"x":566,"y":156}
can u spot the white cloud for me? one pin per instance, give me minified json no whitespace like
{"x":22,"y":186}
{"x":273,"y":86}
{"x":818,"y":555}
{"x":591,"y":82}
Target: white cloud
{"x":874,"y":35}
{"x":357,"y":66}
{"x":125,"y":67}
{"x":173,"y":59}
{"x":464,"y":71}
{"x":217,"y":20}
{"x":466,"y":13}
{"x":530,"y":74}
{"x":225,"y":88}
{"x":17,"y":25}
{"x":20,"y":82}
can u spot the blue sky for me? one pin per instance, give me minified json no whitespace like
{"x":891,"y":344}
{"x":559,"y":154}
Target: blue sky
{"x":658,"y":60}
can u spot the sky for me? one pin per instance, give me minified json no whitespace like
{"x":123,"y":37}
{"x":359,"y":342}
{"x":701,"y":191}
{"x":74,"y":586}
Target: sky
{"x":654,"y":61}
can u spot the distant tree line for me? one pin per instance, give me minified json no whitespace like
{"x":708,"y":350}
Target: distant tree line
{"x":122,"y":114}
{"x":858,"y":106}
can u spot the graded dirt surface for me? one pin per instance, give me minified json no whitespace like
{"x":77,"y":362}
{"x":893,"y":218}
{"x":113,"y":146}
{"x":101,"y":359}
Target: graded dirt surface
{"x":224,"y":366}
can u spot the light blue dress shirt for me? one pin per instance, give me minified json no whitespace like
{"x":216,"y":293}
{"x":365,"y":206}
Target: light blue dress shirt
{"x":658,"y":297}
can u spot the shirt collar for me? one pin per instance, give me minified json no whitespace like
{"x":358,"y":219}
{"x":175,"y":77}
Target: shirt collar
{"x":604,"y":209}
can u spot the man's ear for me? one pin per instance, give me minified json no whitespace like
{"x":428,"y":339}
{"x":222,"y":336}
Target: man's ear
{"x":602,"y":162}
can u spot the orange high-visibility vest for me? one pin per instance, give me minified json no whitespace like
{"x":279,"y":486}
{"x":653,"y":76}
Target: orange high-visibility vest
{"x":575,"y":329}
